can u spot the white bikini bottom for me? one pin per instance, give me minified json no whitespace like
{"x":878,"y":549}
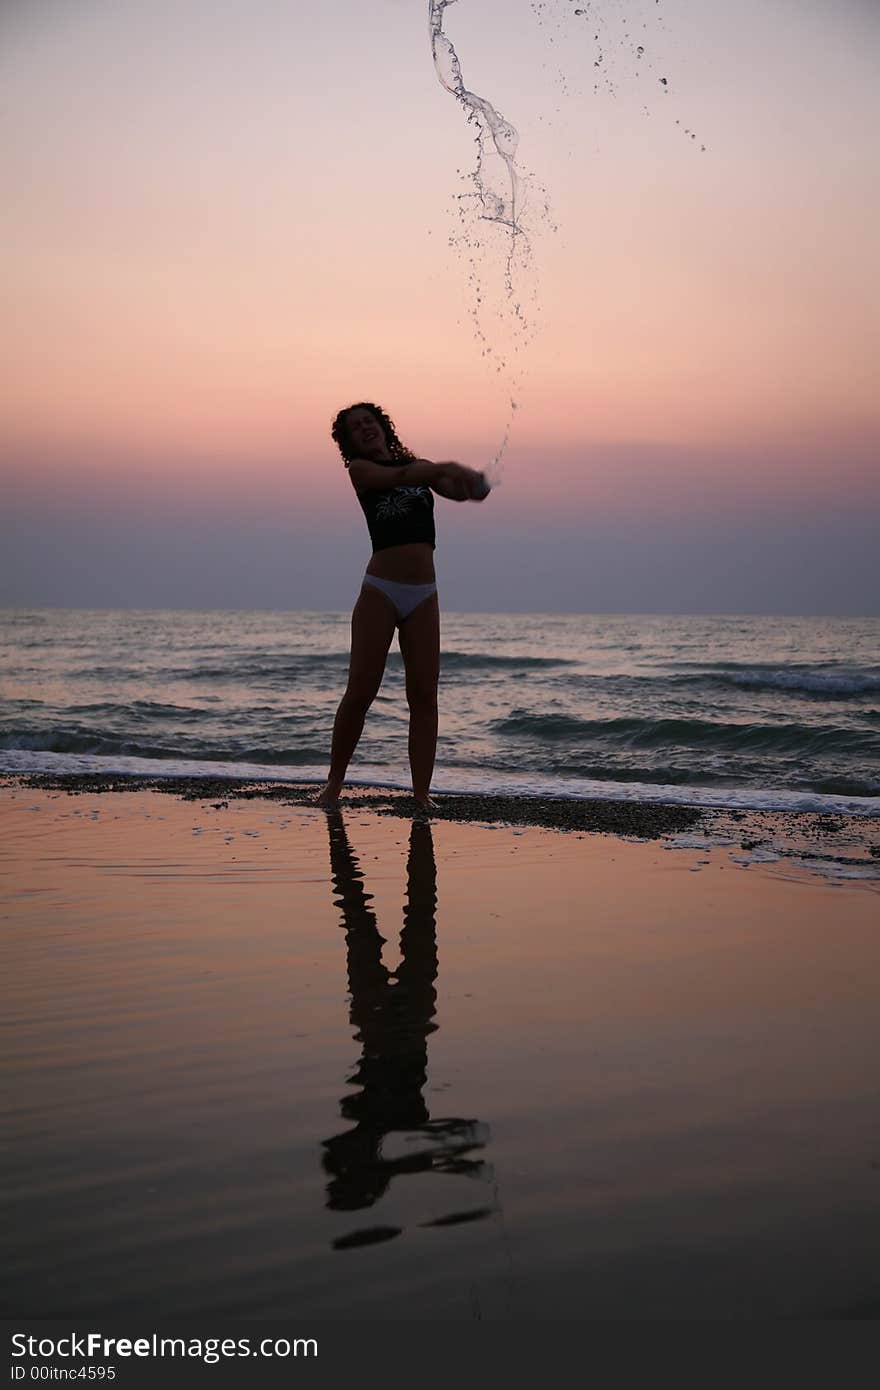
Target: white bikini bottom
{"x":404,"y":597}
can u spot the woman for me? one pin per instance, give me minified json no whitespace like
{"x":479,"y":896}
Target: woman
{"x":399,"y":591}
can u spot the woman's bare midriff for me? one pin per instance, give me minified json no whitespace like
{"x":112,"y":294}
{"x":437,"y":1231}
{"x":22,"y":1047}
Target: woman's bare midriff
{"x":407,"y":564}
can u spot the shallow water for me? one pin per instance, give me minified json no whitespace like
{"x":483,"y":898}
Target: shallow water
{"x":267,"y":1062}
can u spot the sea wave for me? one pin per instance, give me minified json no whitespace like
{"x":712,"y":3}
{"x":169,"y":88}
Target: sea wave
{"x":842,"y":786}
{"x":143,"y":709}
{"x":265,"y":668}
{"x":478,"y":660}
{"x":83,"y":740}
{"x":833,"y":678}
{"x":315,"y":663}
{"x":828,"y":685}
{"x":851,"y":684}
{"x":802,"y":739}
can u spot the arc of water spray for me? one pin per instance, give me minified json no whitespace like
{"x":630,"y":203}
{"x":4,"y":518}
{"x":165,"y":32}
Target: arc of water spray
{"x":491,"y":126}
{"x":489,"y":122}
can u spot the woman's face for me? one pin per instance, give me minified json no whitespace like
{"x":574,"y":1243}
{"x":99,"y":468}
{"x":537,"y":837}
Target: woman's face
{"x":365,"y":434}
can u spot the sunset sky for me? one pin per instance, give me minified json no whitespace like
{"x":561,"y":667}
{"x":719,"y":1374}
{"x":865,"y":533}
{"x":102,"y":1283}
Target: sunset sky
{"x":224,"y":219}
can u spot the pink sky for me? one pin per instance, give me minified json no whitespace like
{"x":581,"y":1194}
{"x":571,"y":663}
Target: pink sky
{"x":227,"y":219}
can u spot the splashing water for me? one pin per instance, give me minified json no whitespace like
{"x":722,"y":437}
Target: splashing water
{"x":496,"y":196}
{"x":615,"y":37}
{"x":498,"y":206}
{"x":498,"y":187}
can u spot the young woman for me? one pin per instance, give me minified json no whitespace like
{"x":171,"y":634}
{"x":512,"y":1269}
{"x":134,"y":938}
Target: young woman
{"x":394,"y":489}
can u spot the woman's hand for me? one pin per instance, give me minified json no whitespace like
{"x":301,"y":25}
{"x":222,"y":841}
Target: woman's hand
{"x":452,"y":482}
{"x":459,"y":484}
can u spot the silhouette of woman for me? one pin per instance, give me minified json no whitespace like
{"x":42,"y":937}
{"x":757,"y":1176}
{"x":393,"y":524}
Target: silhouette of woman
{"x":399,"y":588}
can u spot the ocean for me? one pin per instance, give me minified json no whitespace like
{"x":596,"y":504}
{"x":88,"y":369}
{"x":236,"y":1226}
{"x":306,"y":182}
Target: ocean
{"x":768,"y":712}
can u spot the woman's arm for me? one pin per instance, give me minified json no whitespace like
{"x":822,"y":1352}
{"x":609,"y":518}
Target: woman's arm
{"x":365,"y":474}
{"x":448,"y":479}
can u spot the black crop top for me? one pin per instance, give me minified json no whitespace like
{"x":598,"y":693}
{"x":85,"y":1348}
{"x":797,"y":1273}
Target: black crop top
{"x":398,"y":515}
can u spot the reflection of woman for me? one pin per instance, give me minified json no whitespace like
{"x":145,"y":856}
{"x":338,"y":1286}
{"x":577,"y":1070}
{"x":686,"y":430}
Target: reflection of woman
{"x":393,"y":1013}
{"x":399,"y":589}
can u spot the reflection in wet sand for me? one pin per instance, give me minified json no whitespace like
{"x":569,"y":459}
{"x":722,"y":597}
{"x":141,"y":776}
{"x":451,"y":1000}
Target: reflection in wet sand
{"x":393,"y":1014}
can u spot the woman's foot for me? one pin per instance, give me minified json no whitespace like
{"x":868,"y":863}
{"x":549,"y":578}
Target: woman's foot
{"x":424,"y":806}
{"x":330,"y":795}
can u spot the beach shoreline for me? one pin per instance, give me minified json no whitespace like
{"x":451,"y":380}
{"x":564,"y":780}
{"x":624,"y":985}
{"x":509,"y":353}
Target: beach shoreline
{"x":847,"y":845}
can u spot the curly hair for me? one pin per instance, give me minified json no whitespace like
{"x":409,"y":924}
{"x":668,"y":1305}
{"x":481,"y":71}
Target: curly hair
{"x":340,"y":433}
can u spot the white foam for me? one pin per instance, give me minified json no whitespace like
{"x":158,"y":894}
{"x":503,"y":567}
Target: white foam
{"x":813,"y":683}
{"x":689,"y":841}
{"x":839,"y":873}
{"x":756,"y":856}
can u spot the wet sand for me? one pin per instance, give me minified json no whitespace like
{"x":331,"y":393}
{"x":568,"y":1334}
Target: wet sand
{"x":262,"y":1060}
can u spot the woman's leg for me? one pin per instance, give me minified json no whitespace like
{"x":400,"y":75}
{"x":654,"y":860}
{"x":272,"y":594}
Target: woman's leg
{"x":420,"y":648}
{"x":372,"y":628}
